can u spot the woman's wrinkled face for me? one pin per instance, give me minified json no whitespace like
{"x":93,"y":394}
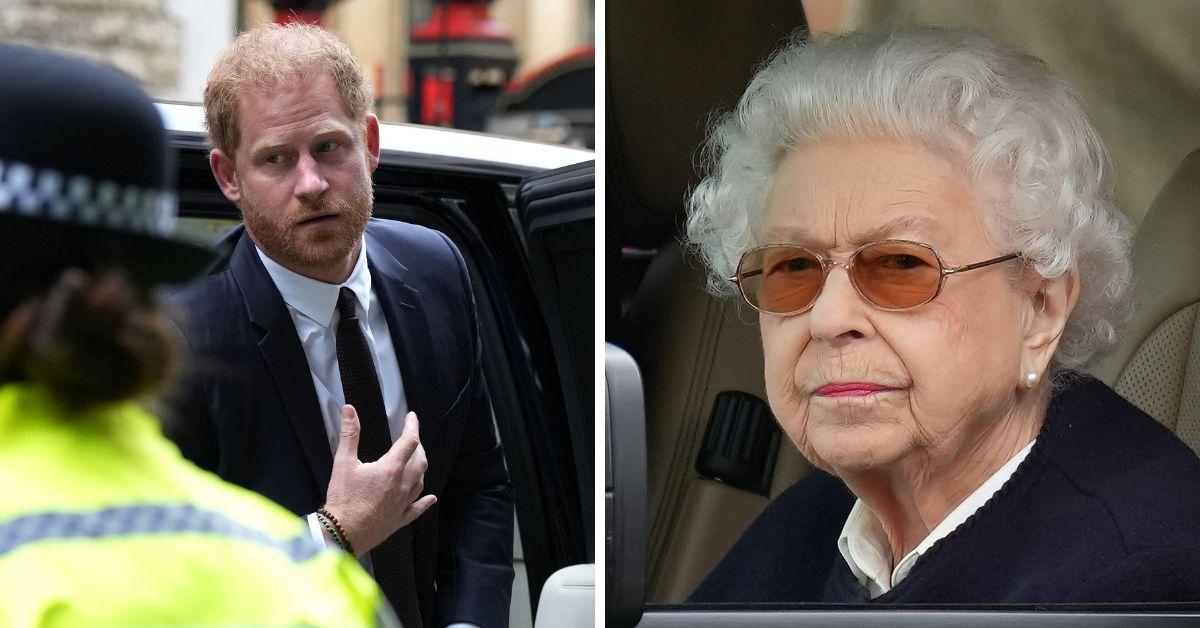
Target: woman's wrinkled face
{"x":859,"y":388}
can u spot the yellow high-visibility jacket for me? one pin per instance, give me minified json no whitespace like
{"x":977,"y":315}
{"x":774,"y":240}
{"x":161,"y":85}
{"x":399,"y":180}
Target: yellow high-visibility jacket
{"x":102,"y":522}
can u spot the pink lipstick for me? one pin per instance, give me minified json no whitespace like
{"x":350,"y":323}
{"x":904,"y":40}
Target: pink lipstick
{"x":850,"y":389}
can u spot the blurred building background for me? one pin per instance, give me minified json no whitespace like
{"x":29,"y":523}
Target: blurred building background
{"x":515,"y":67}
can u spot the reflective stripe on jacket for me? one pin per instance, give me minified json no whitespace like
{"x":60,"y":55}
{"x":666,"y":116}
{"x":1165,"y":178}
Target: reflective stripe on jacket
{"x":103,"y":522}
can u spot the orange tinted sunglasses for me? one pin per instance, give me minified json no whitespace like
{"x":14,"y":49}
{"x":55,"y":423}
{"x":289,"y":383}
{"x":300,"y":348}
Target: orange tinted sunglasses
{"x":889,"y":274}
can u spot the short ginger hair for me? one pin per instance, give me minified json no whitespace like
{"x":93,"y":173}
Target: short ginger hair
{"x":270,"y":55}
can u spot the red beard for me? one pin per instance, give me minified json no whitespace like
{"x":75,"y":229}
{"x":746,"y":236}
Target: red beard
{"x":307,"y":247}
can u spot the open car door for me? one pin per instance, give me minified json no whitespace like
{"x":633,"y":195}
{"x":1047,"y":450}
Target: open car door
{"x":557,"y":214}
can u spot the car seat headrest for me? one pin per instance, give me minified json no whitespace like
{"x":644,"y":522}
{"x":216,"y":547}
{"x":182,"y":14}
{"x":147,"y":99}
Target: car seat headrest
{"x":1166,"y":263}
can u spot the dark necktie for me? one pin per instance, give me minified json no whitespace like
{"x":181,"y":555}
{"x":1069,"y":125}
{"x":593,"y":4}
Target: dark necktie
{"x":392,"y":559}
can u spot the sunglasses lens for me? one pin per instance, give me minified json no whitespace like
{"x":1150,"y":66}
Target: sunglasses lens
{"x":780,"y":279}
{"x":897,"y":274}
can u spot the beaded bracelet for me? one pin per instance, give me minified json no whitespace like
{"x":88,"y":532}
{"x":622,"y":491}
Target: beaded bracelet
{"x":337,"y":539}
{"x":333,"y":533}
{"x":345,"y":544}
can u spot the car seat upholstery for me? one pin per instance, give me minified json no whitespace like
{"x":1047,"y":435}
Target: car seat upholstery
{"x":568,"y":598}
{"x":688,"y":345}
{"x":692,"y":346}
{"x":1157,"y":366}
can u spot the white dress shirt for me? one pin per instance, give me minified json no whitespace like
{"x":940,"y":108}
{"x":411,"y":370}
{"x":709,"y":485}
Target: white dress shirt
{"x":312,"y":304}
{"x":864,"y":543}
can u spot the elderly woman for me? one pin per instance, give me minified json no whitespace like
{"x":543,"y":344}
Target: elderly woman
{"x":924,"y":221}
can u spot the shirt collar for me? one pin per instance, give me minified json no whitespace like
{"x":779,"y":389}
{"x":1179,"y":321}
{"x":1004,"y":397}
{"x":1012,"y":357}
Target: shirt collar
{"x":864,"y":545}
{"x":316,"y":299}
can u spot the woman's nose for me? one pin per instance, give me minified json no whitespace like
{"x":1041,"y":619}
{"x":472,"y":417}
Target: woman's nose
{"x":838,"y":315}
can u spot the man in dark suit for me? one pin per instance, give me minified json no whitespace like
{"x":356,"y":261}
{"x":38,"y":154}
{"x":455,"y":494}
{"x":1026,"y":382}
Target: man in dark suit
{"x":318,"y":307}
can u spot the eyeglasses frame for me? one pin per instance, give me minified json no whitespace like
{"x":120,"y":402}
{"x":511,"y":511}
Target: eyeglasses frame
{"x":828,"y":262}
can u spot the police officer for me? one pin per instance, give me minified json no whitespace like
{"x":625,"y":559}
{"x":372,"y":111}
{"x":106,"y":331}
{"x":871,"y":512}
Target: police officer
{"x":101,"y":520}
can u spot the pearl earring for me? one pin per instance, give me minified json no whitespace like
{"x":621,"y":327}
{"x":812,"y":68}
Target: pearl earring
{"x":1031,"y":379}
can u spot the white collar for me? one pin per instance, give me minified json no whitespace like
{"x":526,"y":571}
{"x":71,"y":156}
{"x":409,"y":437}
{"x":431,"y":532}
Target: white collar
{"x":864,"y":543}
{"x":314,"y":298}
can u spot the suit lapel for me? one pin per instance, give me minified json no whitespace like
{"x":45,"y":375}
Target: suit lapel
{"x":284,"y":355}
{"x":408,"y":325}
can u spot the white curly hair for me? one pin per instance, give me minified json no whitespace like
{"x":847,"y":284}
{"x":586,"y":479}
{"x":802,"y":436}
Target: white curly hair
{"x":1016,"y":128}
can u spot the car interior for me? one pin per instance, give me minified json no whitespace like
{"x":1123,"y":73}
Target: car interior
{"x":700,"y":358}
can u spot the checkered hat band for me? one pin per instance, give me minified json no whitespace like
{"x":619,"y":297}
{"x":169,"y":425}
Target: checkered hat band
{"x":76,"y":199}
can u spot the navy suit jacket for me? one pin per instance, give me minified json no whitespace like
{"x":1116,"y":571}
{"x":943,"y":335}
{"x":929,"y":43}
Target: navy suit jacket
{"x":246,"y":407}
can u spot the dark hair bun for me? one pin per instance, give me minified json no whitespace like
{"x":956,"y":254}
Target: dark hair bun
{"x":91,"y":339}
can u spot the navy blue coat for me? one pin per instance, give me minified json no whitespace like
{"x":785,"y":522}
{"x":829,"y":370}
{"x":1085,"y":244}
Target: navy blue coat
{"x":1106,"y":508}
{"x":247,"y":409}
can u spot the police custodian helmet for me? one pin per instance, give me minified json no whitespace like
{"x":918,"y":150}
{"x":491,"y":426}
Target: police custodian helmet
{"x":85,"y":174}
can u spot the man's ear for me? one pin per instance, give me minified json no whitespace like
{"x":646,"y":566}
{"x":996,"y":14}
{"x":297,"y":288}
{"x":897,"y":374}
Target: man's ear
{"x":223,"y":171}
{"x":1052,"y":302}
{"x":372,"y":137}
